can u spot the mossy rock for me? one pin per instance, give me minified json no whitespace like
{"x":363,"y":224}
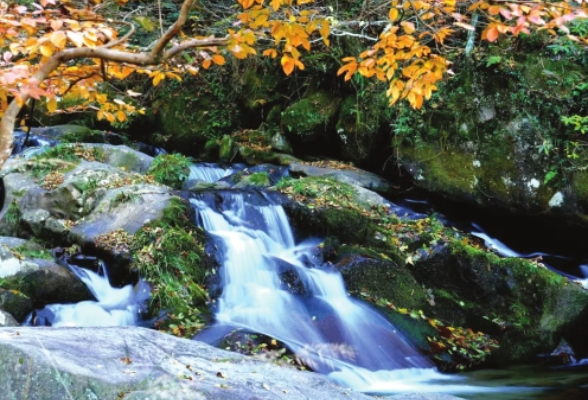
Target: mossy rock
{"x":308,"y":120}
{"x":387,"y":277}
{"x":498,"y":177}
{"x":473,"y":287}
{"x":362,"y":126}
{"x":228,"y":149}
{"x":349,"y":226}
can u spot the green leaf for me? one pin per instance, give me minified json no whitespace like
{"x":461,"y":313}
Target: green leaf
{"x":145,"y":23}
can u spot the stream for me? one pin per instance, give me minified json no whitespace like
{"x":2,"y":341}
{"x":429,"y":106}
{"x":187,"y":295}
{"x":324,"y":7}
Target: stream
{"x":331,"y":332}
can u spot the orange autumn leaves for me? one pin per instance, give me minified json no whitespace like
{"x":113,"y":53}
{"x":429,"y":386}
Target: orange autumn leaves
{"x":409,"y":53}
{"x":288,"y":25}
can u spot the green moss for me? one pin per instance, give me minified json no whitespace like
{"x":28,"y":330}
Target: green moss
{"x":83,"y":136}
{"x":311,"y":115}
{"x":169,"y":254}
{"x":171,"y":169}
{"x":259,"y":179}
{"x":515,"y":299}
{"x":445,"y":172}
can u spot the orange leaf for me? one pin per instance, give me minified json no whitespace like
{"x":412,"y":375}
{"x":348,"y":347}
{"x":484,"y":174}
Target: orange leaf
{"x":490,"y":34}
{"x":121,"y":116}
{"x":270,"y":53}
{"x":206,"y":64}
{"x":218,"y":59}
{"x":287,"y":64}
{"x":348,"y":70}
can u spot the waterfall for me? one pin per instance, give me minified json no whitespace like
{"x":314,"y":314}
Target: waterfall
{"x":113,"y":306}
{"x":209,"y":172}
{"x":330,"y":331}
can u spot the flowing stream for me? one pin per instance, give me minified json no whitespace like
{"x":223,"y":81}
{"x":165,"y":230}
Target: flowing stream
{"x":333,"y":333}
{"x":113,"y":306}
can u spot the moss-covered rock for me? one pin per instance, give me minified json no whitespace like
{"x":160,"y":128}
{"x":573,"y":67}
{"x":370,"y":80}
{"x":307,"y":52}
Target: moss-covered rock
{"x":516,"y":300}
{"x":308,"y":120}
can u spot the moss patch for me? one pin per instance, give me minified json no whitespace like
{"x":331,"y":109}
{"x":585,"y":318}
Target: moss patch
{"x":170,"y":169}
{"x":169,"y":254}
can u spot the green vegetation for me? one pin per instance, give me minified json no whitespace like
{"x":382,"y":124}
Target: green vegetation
{"x":169,"y":255}
{"x":171,"y":169}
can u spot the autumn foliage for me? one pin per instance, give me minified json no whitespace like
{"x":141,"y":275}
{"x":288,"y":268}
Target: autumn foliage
{"x":63,"y":51}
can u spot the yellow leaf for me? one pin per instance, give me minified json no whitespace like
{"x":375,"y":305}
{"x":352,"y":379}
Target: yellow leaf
{"x":158,"y":77}
{"x":47,"y":51}
{"x":393,"y":15}
{"x":109,"y":117}
{"x":58,"y":38}
{"x":76,"y":37}
{"x":52,"y":105}
{"x":276,"y":4}
{"x":206,"y":64}
{"x":408,"y":27}
{"x":121,"y":116}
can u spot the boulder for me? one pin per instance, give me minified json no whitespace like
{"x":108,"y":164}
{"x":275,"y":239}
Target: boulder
{"x":353,"y":176}
{"x":43,"y":281}
{"x":307,"y":121}
{"x":7,"y":320}
{"x":123,"y":157}
{"x":525,"y":306}
{"x":127,"y":208}
{"x":141,"y":364}
{"x":16,"y":304}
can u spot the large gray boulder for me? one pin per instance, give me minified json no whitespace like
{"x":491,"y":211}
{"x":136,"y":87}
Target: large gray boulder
{"x":353,"y":176}
{"x":90,"y":200}
{"x":141,"y":364}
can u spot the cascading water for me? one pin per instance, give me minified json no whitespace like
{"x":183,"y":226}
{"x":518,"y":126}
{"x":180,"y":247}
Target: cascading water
{"x":209,"y":172}
{"x":333,"y":333}
{"x":113,"y":306}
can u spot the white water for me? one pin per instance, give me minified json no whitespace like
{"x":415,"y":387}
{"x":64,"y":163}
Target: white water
{"x":114,"y":306}
{"x":331,"y":332}
{"x":209,"y":173}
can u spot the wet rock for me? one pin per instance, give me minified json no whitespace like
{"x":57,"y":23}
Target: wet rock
{"x":122,"y":157}
{"x":7,"y":320}
{"x":56,"y":132}
{"x":355,"y":176}
{"x":532,"y":308}
{"x":127,"y":208}
{"x":15,"y":303}
{"x":46,"y":282}
{"x":280,"y":143}
{"x":143,"y":364}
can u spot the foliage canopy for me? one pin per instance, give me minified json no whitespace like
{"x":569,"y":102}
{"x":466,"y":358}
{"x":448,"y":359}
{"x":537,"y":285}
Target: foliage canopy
{"x":65,"y":51}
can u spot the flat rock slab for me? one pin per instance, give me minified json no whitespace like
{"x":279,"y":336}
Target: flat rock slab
{"x":141,"y":364}
{"x":355,"y":176}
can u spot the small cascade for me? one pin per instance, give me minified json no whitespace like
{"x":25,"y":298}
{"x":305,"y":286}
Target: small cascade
{"x":332,"y":332}
{"x":113,"y":306}
{"x":209,"y":172}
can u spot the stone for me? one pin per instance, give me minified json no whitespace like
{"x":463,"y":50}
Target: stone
{"x":87,"y":363}
{"x":354,"y":176}
{"x":16,"y":304}
{"x":7,"y":320}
